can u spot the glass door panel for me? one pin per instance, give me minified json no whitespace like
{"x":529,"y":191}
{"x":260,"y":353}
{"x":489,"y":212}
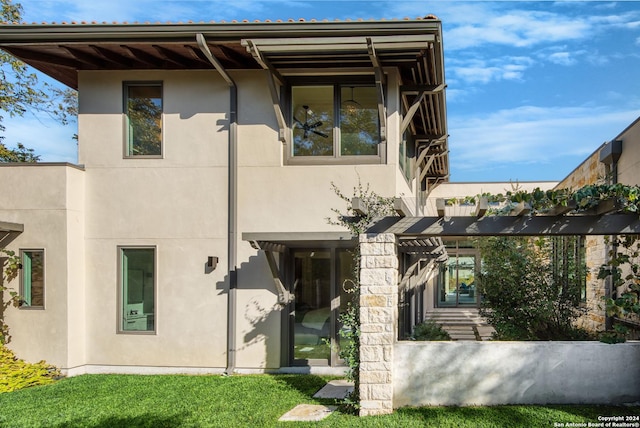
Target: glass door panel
{"x":457,"y":282}
{"x":466,"y":288}
{"x":312,"y":288}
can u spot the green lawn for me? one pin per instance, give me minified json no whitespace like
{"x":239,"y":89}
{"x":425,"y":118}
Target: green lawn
{"x":241,"y":401}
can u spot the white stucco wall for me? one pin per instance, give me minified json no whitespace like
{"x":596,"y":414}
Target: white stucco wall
{"x":48,"y":201}
{"x":179,"y":205}
{"x":492,"y":373}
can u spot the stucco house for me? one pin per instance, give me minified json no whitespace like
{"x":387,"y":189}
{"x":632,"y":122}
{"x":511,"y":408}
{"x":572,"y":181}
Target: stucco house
{"x":191,"y":236}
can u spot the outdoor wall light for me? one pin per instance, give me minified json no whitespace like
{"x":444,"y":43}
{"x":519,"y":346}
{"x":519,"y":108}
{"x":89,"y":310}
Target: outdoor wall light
{"x":212,"y":262}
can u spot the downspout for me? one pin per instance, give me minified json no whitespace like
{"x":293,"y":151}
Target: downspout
{"x":232,"y":250}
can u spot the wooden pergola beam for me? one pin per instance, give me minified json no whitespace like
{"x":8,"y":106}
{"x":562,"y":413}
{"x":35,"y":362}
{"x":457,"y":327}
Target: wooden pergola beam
{"x":610,"y":224}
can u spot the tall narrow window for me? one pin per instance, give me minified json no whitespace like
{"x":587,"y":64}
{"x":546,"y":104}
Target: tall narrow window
{"x":143,"y":108}
{"x":32,"y":281}
{"x":137,"y":306}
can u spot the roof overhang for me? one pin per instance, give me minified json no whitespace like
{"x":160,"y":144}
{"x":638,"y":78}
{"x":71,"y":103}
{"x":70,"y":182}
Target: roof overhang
{"x":414,"y":47}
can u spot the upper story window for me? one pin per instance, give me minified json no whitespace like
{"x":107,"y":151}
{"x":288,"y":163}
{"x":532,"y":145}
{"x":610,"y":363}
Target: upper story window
{"x":334,"y":121}
{"x":143,"y":110}
{"x":32,"y":279}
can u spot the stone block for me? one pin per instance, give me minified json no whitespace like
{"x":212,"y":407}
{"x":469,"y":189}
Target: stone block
{"x":379,"y":315}
{"x":372,"y":328}
{"x":381,"y":392}
{"x":377,"y":339}
{"x":369,"y":353}
{"x":380,"y":276}
{"x":373,"y":300}
{"x":375,"y":377}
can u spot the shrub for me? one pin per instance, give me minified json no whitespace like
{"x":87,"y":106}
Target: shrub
{"x":17,"y":374}
{"x":522,"y":298}
{"x":429,"y":330}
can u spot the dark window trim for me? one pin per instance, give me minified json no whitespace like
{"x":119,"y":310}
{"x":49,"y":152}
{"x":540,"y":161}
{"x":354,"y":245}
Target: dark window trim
{"x":22,"y":277}
{"x":336,"y":158}
{"x":125,"y":109}
{"x":120,"y":295}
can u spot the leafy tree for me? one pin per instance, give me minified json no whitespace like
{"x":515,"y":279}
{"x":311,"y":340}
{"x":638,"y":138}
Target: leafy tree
{"x":21,"y":92}
{"x":522,"y":297}
{"x":623,"y":267}
{"x":9,"y":266}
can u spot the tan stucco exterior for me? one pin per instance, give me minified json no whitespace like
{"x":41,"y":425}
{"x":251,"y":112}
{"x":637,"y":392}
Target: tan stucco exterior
{"x":177,"y":204}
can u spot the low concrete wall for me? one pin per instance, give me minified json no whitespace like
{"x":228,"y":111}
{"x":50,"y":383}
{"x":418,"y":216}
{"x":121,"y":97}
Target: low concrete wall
{"x":490,"y":373}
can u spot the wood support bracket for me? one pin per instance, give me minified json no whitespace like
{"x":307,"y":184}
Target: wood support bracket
{"x":380,"y":85}
{"x":273,"y":76}
{"x":284,"y":297}
{"x":482,"y":207}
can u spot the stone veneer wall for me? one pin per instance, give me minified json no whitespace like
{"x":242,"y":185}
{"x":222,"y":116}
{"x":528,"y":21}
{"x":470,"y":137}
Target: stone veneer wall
{"x":591,"y":171}
{"x":378,"y":321}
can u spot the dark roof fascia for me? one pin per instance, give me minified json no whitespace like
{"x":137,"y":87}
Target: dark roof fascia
{"x":16,"y":34}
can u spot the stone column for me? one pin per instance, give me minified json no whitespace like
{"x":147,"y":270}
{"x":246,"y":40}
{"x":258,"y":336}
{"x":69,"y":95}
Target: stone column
{"x":378,"y":321}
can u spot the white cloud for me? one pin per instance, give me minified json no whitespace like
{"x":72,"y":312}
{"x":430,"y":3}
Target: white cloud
{"x":562,"y":58}
{"x":490,"y":70}
{"x":518,"y":28}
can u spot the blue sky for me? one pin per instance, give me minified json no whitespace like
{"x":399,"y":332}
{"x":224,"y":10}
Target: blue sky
{"x":533,"y":87}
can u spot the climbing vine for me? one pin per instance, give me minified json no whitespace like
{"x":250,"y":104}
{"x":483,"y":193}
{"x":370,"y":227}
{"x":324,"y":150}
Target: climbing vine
{"x":624,"y":257}
{"x":625,"y":199}
{"x":623,"y":268}
{"x":373,"y":206}
{"x":9,"y":266}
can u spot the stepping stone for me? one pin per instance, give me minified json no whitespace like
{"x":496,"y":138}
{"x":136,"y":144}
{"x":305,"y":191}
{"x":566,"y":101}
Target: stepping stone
{"x":339,"y":389}
{"x":308,"y":413}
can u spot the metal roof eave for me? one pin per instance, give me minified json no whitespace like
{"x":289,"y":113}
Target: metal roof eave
{"x":217,"y":31}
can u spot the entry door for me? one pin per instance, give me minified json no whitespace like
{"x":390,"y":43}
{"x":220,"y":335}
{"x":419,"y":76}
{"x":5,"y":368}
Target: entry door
{"x":321,"y":281}
{"x":457,"y":286}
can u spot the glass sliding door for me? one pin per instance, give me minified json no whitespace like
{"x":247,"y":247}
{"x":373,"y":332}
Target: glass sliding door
{"x":312,"y":306}
{"x":457,"y":282}
{"x":322,"y":283}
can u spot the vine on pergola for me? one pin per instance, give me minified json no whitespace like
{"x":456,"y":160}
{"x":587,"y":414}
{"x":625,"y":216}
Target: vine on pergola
{"x":620,"y":197}
{"x":623,"y":266}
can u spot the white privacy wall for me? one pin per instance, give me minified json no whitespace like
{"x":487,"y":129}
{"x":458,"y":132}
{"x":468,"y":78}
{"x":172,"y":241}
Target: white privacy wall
{"x":491,"y":373}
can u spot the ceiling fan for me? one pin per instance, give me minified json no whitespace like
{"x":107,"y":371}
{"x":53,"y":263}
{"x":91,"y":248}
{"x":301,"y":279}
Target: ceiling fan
{"x":308,"y":127}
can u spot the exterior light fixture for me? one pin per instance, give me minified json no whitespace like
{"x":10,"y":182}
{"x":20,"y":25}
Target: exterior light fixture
{"x":212,"y":262}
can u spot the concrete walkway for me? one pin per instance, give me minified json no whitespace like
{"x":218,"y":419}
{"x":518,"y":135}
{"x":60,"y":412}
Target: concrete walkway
{"x":337,"y":389}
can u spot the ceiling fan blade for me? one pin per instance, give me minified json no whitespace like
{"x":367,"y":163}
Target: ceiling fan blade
{"x":315,"y":125}
{"x":320,"y":133}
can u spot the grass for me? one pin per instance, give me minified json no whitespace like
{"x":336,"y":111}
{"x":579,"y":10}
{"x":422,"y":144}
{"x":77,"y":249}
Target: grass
{"x":242,"y":401}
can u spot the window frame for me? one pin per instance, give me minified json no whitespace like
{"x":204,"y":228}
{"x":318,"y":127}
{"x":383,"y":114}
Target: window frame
{"x":337,"y":82}
{"x":120,"y":292}
{"x":126,"y":149}
{"x":23,"y":275}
